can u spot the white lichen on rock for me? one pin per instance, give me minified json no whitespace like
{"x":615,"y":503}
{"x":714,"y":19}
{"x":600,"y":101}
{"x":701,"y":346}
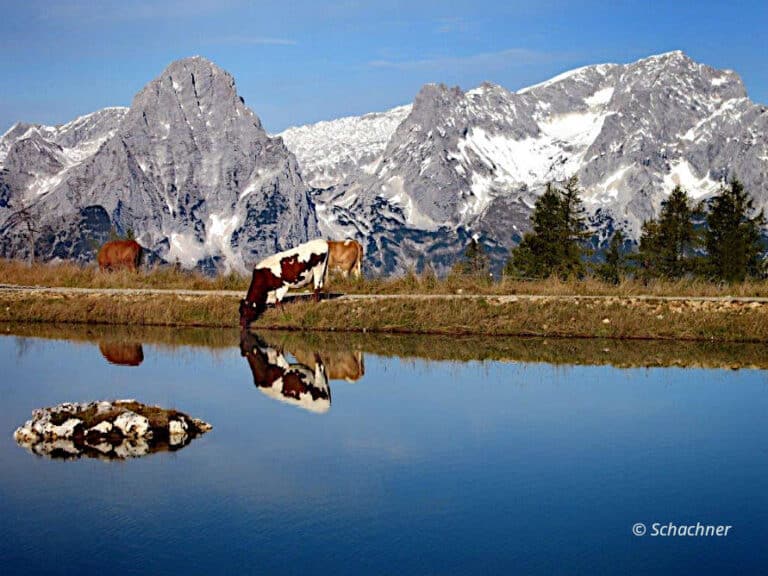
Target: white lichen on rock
{"x":131,"y":424}
{"x":107,"y":430}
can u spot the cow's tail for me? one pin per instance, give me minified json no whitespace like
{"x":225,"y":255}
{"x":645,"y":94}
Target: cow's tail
{"x":139,"y":256}
{"x":324,"y":276}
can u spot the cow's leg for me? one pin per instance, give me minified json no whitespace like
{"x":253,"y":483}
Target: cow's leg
{"x":279,"y":295}
{"x":318,"y":274}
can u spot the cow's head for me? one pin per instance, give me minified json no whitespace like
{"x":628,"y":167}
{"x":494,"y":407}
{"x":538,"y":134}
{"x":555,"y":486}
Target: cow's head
{"x":250,"y":310}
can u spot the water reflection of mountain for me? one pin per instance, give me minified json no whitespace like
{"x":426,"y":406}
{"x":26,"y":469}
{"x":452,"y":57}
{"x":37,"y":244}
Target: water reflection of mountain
{"x":618,"y":353}
{"x":293,"y":383}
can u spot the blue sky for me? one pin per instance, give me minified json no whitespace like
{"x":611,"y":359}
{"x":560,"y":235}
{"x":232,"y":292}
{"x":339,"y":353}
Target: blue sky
{"x":302,"y":61}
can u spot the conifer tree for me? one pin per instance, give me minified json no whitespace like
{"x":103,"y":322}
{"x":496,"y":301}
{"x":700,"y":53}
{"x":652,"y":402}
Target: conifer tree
{"x":555,"y":244}
{"x":732,"y":238}
{"x":666,"y":244}
{"x":574,"y":229}
{"x":475,"y":261}
{"x":615,"y":263}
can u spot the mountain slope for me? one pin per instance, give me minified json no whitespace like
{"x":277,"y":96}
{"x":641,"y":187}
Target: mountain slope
{"x":341,"y":149}
{"x":189,"y":169}
{"x":476,"y":161}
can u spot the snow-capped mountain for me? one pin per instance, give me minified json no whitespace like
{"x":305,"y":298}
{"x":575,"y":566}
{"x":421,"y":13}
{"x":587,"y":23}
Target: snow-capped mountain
{"x":475,"y":161}
{"x":37,"y":157}
{"x":188,"y":168}
{"x":191,"y":171}
{"x":342,"y":149}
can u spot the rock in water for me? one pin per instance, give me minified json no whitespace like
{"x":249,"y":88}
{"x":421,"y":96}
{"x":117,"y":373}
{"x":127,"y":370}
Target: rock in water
{"x":107,"y":430}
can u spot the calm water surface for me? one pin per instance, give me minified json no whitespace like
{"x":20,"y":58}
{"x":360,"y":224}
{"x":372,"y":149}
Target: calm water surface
{"x":409,"y":466}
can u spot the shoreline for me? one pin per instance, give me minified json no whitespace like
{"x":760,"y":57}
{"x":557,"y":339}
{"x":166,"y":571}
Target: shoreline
{"x":639,"y":317}
{"x":331,"y":345}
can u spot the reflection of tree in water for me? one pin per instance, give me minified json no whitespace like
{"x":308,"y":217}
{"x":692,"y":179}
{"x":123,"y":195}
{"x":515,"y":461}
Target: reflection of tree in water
{"x":122,"y":353}
{"x":293,"y":383}
{"x":23,"y":346}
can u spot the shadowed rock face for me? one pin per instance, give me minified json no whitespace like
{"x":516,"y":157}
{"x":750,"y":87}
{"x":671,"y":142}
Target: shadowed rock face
{"x":107,"y":430}
{"x":188,"y":168}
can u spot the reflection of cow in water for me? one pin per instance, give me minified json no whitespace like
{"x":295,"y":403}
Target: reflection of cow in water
{"x":119,"y":254}
{"x":295,"y":384}
{"x":343,"y":365}
{"x":122,"y":353}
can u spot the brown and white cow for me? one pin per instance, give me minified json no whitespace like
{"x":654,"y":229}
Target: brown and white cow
{"x":275,"y":275}
{"x":345,"y":256}
{"x":295,"y":384}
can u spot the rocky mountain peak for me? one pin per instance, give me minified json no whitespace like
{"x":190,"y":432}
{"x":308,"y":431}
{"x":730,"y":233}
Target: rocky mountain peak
{"x":189,"y":169}
{"x":476,"y":161}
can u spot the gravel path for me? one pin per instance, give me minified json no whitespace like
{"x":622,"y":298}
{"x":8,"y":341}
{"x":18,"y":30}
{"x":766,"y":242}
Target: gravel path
{"x":501,"y":298}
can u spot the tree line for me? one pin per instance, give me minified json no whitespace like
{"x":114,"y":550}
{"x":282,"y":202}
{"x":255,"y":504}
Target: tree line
{"x":719,"y":240}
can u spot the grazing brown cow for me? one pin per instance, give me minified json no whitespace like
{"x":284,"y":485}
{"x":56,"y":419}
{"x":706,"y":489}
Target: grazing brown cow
{"x":345,"y":256}
{"x":119,"y":254}
{"x":122,"y":353}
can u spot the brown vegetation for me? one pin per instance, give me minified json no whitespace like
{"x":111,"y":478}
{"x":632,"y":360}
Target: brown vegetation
{"x":72,"y":275}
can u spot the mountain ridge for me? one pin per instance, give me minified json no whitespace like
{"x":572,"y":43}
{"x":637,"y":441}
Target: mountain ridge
{"x":189,"y":168}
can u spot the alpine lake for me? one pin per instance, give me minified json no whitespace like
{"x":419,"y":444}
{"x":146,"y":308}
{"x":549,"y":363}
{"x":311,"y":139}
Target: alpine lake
{"x":372,"y":454}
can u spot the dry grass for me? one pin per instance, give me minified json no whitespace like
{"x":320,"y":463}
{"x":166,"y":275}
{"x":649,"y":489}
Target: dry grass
{"x":154,"y":310}
{"x":67,"y":274}
{"x":615,"y":314}
{"x":457,"y":284}
{"x":609,"y":317}
{"x":70,"y":275}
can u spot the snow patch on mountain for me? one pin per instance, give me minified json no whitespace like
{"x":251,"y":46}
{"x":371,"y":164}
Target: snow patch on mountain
{"x":331,"y":151}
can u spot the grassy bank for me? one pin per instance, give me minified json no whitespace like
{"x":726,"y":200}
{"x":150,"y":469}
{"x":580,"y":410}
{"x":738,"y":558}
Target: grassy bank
{"x":606,"y":311}
{"x":609,"y":317}
{"x":122,"y":309}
